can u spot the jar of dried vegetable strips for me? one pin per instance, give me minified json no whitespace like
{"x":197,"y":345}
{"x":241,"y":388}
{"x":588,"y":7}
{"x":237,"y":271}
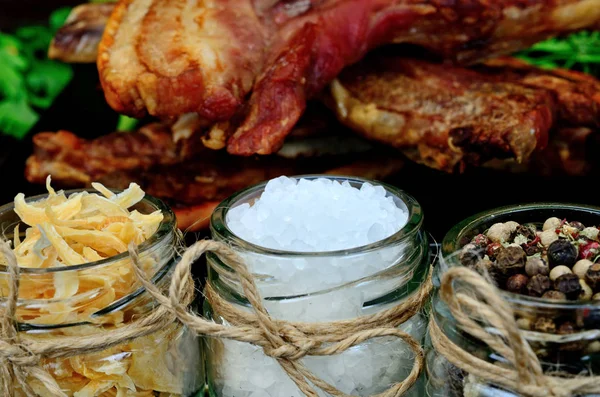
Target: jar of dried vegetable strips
{"x":524,"y":250}
{"x":77,"y":282}
{"x":316,"y":287}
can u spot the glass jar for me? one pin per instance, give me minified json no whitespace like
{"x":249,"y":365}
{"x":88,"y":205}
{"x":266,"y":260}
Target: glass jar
{"x":99,"y":297}
{"x":570,"y":354}
{"x":320,"y":287}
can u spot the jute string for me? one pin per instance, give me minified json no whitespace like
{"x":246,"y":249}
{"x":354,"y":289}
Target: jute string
{"x":286,"y":342}
{"x":476,"y":304}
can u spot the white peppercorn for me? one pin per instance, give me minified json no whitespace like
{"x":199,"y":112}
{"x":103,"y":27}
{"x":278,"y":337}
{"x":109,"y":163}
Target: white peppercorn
{"x":590,"y":232}
{"x":581,"y":267}
{"x":551,"y":224}
{"x":593,"y":347}
{"x":498,"y":233}
{"x":511,"y":226}
{"x":559,"y":271}
{"x":535,"y":265}
{"x":547,"y":237}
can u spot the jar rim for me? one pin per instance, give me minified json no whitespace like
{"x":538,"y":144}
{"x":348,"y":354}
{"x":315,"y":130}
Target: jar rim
{"x":165,"y":227}
{"x":451,"y":248}
{"x":220,"y":229}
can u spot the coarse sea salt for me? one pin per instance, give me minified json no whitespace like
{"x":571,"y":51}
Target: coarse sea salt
{"x":317,"y":215}
{"x":320,"y":216}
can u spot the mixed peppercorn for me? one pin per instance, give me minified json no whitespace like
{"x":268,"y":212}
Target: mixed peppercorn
{"x":560,"y":261}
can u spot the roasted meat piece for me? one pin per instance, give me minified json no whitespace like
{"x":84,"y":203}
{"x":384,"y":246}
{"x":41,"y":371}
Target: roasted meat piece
{"x":76,"y":162}
{"x":571,"y":151}
{"x":173,"y":57}
{"x":578,"y":94}
{"x":191,"y":178}
{"x":447,"y":117}
{"x":167,"y":58}
{"x":77,"y":41}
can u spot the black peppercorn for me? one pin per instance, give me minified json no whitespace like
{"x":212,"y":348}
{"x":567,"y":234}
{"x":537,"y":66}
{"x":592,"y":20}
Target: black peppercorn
{"x":526,"y":231}
{"x":569,"y":285}
{"x":545,"y":325}
{"x":592,"y":276}
{"x":554,"y":295}
{"x":510,"y":260}
{"x":562,"y":252}
{"x":470,"y":255}
{"x":535,"y":265}
{"x":517,"y":283}
{"x":538,"y":284}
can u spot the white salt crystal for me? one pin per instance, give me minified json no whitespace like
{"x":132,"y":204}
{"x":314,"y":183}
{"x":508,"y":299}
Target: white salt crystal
{"x":317,"y":215}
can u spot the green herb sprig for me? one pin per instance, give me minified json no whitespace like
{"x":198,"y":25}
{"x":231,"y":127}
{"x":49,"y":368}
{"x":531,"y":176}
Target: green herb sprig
{"x":578,"y":51}
{"x":29,"y":81}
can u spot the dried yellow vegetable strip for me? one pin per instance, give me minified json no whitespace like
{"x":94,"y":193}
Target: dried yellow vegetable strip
{"x":79,"y":229}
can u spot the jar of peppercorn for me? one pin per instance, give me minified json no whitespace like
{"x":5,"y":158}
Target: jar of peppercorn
{"x":544,"y":260}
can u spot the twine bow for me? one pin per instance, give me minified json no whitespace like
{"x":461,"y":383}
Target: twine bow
{"x":21,"y":354}
{"x":287,"y":342}
{"x":476,"y":304}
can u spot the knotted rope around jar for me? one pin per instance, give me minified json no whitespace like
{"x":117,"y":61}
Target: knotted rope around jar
{"x":21,"y":354}
{"x":287,"y":342}
{"x":476,"y":304}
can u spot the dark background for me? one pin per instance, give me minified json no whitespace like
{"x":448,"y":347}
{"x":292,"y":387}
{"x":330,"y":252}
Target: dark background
{"x":446,"y":199}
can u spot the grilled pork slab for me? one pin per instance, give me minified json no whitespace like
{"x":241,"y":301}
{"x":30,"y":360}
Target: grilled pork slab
{"x":167,"y":58}
{"x":447,"y":117}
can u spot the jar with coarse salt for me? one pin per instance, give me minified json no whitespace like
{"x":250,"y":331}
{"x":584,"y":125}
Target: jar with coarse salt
{"x":321,"y":249}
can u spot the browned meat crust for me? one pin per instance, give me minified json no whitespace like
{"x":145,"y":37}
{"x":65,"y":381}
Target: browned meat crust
{"x":578,"y":94}
{"x":77,"y":41}
{"x":77,"y":162}
{"x":188,"y":176}
{"x":264,"y":59}
{"x":447,"y":117}
{"x":442,"y":116}
{"x":169,"y":57}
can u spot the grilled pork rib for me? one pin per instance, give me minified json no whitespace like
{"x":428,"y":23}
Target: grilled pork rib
{"x":76,"y":162}
{"x":447,"y":117}
{"x":194,"y":179}
{"x":172,"y":57}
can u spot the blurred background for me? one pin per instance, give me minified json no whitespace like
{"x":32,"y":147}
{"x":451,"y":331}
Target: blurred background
{"x":79,"y":107}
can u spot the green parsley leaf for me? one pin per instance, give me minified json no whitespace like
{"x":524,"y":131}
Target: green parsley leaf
{"x":12,"y":65}
{"x":46,"y":80}
{"x":578,"y":51}
{"x":16,"y":118}
{"x":126,"y":123}
{"x":28,"y":80}
{"x":58,"y":18}
{"x":34,"y":38}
